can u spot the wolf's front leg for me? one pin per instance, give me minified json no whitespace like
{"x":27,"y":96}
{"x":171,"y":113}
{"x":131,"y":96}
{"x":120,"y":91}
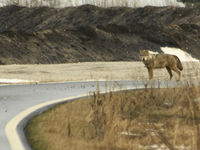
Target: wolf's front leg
{"x":150,"y":71}
{"x":170,"y":72}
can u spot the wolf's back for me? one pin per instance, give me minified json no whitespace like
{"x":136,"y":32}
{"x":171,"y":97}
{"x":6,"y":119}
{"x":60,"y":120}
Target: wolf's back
{"x":179,"y":64}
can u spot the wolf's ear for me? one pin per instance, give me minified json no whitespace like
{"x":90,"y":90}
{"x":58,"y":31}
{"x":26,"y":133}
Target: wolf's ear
{"x":142,"y":50}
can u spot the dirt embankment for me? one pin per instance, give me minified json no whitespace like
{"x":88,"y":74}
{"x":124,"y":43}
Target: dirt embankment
{"x":89,"y":33}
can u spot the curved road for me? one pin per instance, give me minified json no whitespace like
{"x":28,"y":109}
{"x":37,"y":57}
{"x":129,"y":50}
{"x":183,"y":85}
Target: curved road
{"x":16,"y":98}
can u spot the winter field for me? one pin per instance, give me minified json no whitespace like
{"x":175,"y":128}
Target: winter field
{"x":15,"y":74}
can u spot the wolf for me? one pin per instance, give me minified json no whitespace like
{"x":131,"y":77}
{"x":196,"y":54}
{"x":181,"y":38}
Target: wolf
{"x":154,"y":61}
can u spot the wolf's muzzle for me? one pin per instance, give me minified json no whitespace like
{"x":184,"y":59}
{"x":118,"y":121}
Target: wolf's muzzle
{"x":143,"y":58}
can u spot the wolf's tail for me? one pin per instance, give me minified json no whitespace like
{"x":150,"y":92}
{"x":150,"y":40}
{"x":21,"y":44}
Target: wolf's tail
{"x":178,"y":63}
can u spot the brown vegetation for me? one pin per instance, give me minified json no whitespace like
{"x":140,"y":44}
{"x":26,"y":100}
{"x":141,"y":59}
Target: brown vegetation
{"x":143,"y":119}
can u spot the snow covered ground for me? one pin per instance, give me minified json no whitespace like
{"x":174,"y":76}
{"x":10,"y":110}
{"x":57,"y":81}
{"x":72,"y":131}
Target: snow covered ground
{"x":15,"y":81}
{"x":129,"y":3}
{"x":182,"y":55}
{"x":1,"y":4}
{"x":102,"y":3}
{"x":5,"y":2}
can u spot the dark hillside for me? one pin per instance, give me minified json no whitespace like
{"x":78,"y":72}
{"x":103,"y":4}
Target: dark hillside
{"x":90,"y":33}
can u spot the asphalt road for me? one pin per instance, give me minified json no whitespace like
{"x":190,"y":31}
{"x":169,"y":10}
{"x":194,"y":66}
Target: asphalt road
{"x":16,"y":98}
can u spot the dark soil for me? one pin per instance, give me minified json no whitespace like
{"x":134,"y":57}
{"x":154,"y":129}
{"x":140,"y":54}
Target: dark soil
{"x":89,"y":33}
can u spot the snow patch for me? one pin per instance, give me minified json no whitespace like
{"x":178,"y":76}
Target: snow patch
{"x":1,"y":4}
{"x":102,"y":3}
{"x":182,"y":55}
{"x":151,"y":52}
{"x":6,"y":81}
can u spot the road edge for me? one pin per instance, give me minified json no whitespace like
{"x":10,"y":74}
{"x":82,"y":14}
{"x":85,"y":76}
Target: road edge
{"x":15,"y":127}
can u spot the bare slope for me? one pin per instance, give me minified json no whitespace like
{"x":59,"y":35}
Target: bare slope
{"x":89,"y":33}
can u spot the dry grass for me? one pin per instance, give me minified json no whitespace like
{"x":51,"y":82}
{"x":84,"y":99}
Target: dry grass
{"x":149,"y":119}
{"x":92,"y":71}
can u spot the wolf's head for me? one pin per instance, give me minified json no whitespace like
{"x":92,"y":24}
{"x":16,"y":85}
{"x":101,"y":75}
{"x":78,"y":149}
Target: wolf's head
{"x":144,"y":55}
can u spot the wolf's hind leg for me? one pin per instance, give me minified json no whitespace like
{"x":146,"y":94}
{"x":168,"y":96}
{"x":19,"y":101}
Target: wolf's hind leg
{"x":170,"y":72}
{"x":150,"y":71}
{"x":178,"y":72}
